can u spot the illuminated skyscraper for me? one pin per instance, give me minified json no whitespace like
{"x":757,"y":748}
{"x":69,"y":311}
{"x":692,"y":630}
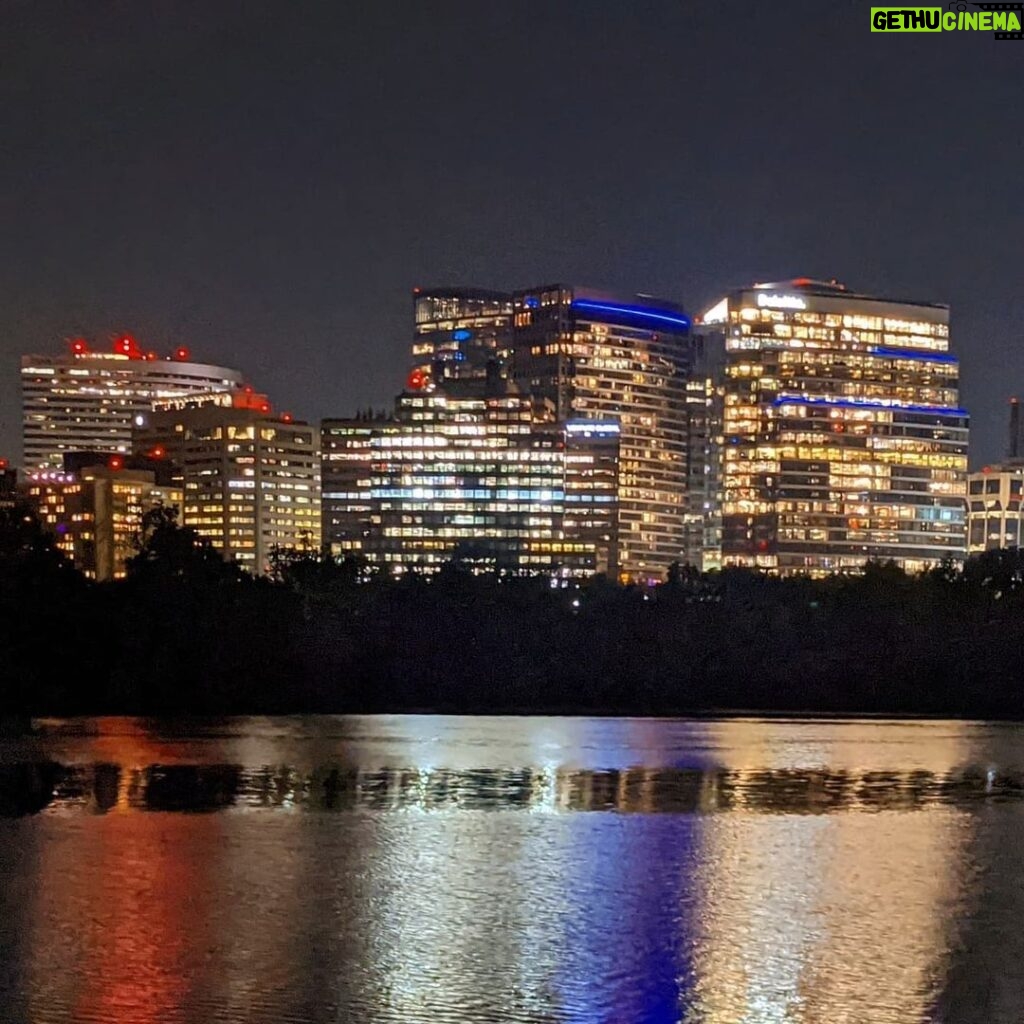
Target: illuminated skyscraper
{"x":597,"y":356}
{"x":475,"y":472}
{"x":459,"y":332}
{"x":87,"y":400}
{"x":592,"y":488}
{"x":250,"y":479}
{"x":705,"y":393}
{"x":843,"y":436}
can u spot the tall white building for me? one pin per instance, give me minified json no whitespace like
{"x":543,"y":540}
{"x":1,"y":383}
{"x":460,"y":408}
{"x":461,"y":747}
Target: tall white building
{"x":87,"y":400}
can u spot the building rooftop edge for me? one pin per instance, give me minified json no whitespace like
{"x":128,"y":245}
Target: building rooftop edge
{"x":827,"y":290}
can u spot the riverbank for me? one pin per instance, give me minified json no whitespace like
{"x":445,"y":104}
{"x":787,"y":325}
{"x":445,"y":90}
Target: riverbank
{"x":188,"y":633}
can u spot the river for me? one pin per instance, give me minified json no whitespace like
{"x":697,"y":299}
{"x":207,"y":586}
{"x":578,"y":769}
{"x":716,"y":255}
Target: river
{"x":446,"y":869}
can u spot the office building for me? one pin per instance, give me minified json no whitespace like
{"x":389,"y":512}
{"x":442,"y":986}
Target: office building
{"x":475,"y":472}
{"x":88,"y":400}
{"x":994,"y":511}
{"x":8,"y":485}
{"x":843,"y":437}
{"x":1015,"y":445}
{"x":459,"y":332}
{"x":705,"y":397}
{"x":592,"y":489}
{"x":250,"y":479}
{"x":95,"y":509}
{"x":599,"y":356}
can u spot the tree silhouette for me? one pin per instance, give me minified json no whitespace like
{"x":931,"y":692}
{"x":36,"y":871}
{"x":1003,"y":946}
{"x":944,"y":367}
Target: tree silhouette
{"x":169,"y":551}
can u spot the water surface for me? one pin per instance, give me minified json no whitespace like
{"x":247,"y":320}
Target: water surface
{"x":415,"y":869}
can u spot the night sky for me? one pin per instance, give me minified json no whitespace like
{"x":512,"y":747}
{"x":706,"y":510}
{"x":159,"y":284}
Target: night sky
{"x":266,"y":183}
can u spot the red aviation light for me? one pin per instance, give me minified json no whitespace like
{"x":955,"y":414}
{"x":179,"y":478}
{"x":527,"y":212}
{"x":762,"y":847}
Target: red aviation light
{"x":115,"y":462}
{"x":158,"y":452}
{"x":126,"y":345}
{"x":151,"y":357}
{"x":417,"y":380}
{"x":182,"y":354}
{"x":79,"y":347}
{"x":286,"y":417}
{"x":4,"y":463}
{"x":246,"y":398}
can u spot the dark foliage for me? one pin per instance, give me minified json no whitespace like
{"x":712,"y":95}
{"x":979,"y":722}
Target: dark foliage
{"x":188,"y":633}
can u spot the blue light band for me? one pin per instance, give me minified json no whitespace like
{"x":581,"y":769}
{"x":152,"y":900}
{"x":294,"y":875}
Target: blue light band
{"x":864,"y":403}
{"x":903,"y":353}
{"x":640,"y":313}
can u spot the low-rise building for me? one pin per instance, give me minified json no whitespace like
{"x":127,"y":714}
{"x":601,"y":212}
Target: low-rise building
{"x":95,"y":510}
{"x":995,"y":514}
{"x":8,"y":485}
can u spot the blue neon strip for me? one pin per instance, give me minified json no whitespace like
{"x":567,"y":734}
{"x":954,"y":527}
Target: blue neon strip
{"x":864,"y":403}
{"x":634,"y":312}
{"x":904,"y":353}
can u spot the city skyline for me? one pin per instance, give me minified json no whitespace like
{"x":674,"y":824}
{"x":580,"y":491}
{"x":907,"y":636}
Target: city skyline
{"x":794,"y":426}
{"x":511,"y":512}
{"x":103,"y":341}
{"x":272,"y":200}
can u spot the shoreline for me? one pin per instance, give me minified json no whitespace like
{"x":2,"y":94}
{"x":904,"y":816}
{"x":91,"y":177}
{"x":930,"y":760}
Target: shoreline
{"x":31,"y":724}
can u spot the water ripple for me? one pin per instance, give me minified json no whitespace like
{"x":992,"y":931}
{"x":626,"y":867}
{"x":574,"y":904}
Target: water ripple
{"x":31,"y":787}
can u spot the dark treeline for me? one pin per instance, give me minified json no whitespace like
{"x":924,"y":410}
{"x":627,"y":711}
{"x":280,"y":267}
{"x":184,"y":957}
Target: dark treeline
{"x":188,"y":633}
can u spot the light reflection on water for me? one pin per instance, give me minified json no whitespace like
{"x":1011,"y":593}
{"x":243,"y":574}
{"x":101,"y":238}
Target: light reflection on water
{"x":461,"y":869}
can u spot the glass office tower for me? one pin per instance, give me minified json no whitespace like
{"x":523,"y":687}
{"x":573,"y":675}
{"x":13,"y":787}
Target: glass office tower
{"x":472,"y":472}
{"x":843,"y":437}
{"x":605,"y":357}
{"x":459,"y":332}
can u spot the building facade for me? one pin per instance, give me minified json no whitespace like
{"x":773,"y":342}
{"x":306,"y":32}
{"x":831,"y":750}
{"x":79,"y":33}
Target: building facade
{"x":995,"y":514}
{"x":602,"y":357}
{"x":250,"y":479}
{"x":8,"y":485}
{"x":95,"y":511}
{"x":458,"y":333}
{"x":592,"y":489}
{"x":843,"y":437}
{"x":1015,"y":446}
{"x":474,"y":473}
{"x":705,"y":397}
{"x":88,"y":400}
